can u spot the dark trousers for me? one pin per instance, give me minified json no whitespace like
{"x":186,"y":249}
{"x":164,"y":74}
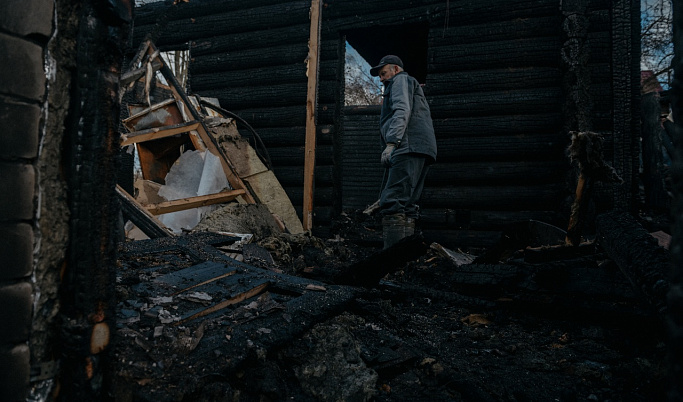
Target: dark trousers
{"x":404,"y":185}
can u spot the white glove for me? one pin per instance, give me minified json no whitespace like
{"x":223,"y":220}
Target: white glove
{"x":386,"y":154}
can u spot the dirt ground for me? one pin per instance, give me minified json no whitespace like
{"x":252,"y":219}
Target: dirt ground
{"x":430,"y":331}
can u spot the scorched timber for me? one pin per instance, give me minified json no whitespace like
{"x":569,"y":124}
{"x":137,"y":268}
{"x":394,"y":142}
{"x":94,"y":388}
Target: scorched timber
{"x":515,"y":29}
{"x":523,"y":101}
{"x":638,"y":255}
{"x":480,"y":148}
{"x":482,"y":220}
{"x":283,"y":116}
{"x":509,"y":53}
{"x":290,"y":53}
{"x":251,"y":40}
{"x":283,"y":136}
{"x":191,"y":27}
{"x":529,"y":197}
{"x":461,"y":12}
{"x":492,"y":80}
{"x":290,"y":175}
{"x":497,"y":125}
{"x":503,"y":172}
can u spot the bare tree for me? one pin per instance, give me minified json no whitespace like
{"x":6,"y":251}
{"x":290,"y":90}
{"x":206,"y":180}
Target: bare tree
{"x":360,"y":87}
{"x":656,"y":33}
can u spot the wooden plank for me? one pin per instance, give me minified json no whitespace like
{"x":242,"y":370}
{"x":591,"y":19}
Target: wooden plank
{"x":193,"y":202}
{"x":195,"y":275}
{"x":206,"y":139}
{"x":239,"y":297}
{"x":147,"y":222}
{"x":157,"y":133}
{"x":313,"y":66}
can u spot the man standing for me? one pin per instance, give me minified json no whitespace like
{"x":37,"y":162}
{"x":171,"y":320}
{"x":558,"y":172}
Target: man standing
{"x":407,"y":136}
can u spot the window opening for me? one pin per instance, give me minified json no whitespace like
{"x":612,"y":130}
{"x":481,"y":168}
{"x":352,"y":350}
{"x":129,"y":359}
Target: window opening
{"x":360,"y":88}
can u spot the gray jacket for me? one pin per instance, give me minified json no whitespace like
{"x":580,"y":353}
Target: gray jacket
{"x":405,"y":119}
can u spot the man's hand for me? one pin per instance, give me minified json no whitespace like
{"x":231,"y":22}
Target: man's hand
{"x":386,"y":154}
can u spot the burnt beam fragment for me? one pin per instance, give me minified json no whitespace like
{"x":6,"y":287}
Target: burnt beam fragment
{"x":88,"y":300}
{"x":638,"y":255}
{"x":369,"y":271}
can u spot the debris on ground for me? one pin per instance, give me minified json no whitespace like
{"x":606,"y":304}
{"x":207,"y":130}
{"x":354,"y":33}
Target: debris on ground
{"x":195,"y":324}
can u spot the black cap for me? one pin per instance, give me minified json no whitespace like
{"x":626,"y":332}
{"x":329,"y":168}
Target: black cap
{"x":388,"y":59}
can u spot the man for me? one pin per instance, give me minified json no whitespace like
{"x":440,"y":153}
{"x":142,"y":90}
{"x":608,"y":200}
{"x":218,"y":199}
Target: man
{"x":407,"y":136}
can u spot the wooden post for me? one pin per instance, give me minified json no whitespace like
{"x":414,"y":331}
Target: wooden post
{"x":311,"y":106}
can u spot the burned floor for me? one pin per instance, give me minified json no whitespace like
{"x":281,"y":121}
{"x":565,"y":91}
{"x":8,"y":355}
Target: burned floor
{"x":339,"y":319}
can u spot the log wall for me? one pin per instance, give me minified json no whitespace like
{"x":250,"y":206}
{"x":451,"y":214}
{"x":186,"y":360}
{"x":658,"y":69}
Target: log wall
{"x":495,"y":81}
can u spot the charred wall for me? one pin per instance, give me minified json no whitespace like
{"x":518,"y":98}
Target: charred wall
{"x":495,"y":80}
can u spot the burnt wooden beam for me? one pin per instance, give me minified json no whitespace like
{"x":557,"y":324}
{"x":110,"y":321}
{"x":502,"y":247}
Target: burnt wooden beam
{"x":572,"y":288}
{"x":293,"y":175}
{"x":465,"y":11}
{"x":675,"y":296}
{"x":656,"y":196}
{"x":498,"y":172}
{"x":638,"y":255}
{"x":293,"y":155}
{"x":522,"y":101}
{"x":285,"y":136}
{"x":529,"y":147}
{"x":250,"y":40}
{"x":625,"y":97}
{"x":264,"y":95}
{"x":482,"y":219}
{"x":523,"y":197}
{"x":283,"y":116}
{"x":509,"y":53}
{"x":369,"y":271}
{"x":289,"y":53}
{"x":87,"y":298}
{"x":323,"y":196}
{"x":491,"y":80}
{"x":143,"y":219}
{"x":287,"y":74}
{"x":476,"y":32}
{"x":148,"y":13}
{"x":191,"y":25}
{"x":510,"y":125}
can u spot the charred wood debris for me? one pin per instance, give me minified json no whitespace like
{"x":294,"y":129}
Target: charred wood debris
{"x":277,"y":314}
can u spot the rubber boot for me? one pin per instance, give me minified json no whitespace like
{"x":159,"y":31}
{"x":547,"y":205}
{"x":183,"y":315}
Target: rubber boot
{"x":393,"y":229}
{"x":410,"y":227}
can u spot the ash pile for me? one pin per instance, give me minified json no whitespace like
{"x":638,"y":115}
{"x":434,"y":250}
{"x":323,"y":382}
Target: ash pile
{"x":276,"y":316}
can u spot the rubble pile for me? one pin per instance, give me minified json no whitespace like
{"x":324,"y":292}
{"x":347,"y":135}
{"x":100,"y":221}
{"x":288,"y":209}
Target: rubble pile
{"x":195,"y":324}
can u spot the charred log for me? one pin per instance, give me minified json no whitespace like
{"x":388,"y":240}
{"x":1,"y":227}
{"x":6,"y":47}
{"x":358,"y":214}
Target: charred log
{"x":523,"y":101}
{"x":190,"y":26}
{"x":492,"y":80}
{"x":675,"y":296}
{"x":272,"y":95}
{"x":529,"y":147}
{"x":250,"y":40}
{"x":369,"y":271}
{"x":486,"y":197}
{"x":287,"y":54}
{"x":509,"y":53}
{"x":637,"y":254}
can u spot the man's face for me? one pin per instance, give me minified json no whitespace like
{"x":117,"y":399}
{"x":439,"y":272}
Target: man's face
{"x":388,"y":72}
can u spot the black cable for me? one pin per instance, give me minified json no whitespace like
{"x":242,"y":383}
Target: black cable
{"x":264,"y":158}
